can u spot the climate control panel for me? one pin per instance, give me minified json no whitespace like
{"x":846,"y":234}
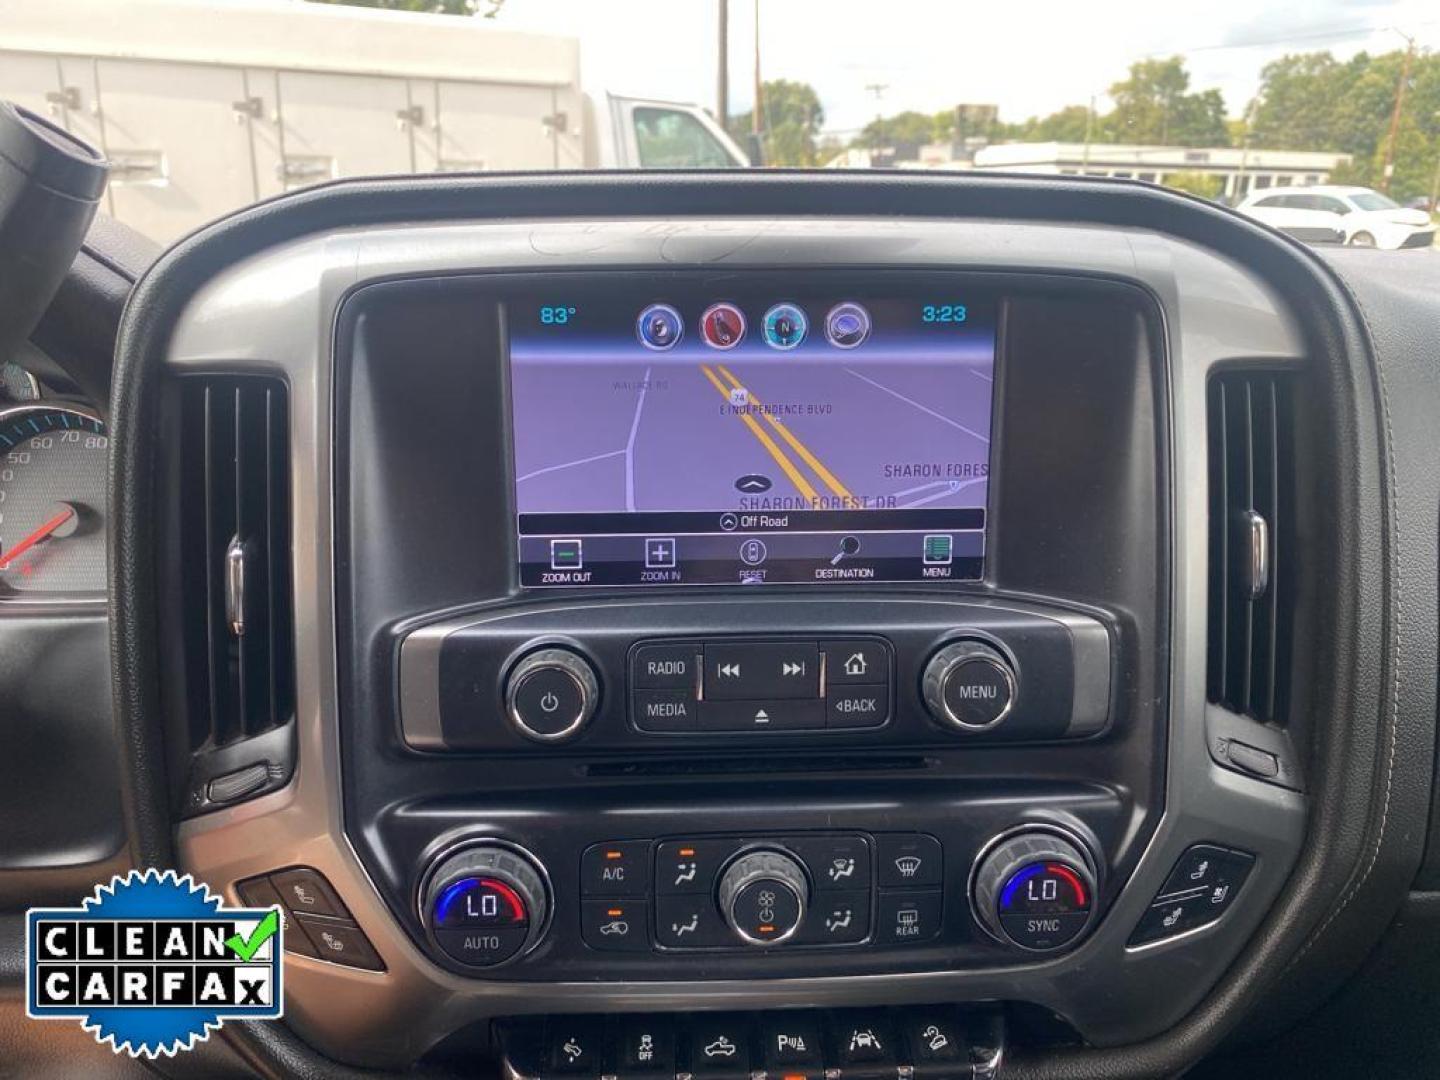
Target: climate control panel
{"x":740,"y":892}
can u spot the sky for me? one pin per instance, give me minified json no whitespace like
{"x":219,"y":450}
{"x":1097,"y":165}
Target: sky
{"x":1029,"y":58}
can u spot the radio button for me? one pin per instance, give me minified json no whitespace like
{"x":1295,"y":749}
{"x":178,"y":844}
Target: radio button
{"x":857,"y":707}
{"x":665,"y":710}
{"x":855,"y":662}
{"x":666,"y":667}
{"x":747,"y":672}
{"x":771,"y":715}
{"x":616,"y":870}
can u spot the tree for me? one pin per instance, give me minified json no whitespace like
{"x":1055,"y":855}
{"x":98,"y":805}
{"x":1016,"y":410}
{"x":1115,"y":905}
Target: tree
{"x":433,"y":7}
{"x":906,"y":129}
{"x":1311,"y":101}
{"x":1154,"y":106}
{"x":791,"y":116}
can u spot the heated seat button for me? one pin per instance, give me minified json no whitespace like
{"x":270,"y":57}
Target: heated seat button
{"x":340,"y":942}
{"x":857,"y":706}
{"x":619,"y":869}
{"x":665,"y":710}
{"x":1172,"y":917}
{"x":909,"y":916}
{"x":909,"y":860}
{"x":779,"y":669}
{"x":304,"y":891}
{"x":666,"y":667}
{"x":615,"y":925}
{"x":855,"y":662}
{"x":1198,"y":868}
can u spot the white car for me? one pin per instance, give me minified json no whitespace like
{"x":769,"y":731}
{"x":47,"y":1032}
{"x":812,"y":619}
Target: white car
{"x":1334,"y":214}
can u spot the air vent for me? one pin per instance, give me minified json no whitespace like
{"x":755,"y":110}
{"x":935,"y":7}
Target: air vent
{"x":1251,"y":540}
{"x":235,"y":550}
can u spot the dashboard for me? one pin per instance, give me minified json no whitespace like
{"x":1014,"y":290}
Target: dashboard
{"x":656,"y":628}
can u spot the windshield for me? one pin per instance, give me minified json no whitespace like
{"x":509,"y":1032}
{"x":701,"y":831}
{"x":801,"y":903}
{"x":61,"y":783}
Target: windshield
{"x":205,"y":106}
{"x":1372,"y":201}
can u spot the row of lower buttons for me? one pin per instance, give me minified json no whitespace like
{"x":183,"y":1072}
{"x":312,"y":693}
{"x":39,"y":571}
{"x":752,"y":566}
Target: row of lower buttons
{"x":316,"y":923}
{"x":697,"y":687}
{"x":926,"y":1043}
{"x":1201,"y":887}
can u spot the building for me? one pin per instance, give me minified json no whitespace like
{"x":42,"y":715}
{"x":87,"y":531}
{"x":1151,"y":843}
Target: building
{"x":1241,"y":170}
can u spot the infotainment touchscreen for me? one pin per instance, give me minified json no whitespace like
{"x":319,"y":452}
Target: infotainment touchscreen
{"x":700,"y":433}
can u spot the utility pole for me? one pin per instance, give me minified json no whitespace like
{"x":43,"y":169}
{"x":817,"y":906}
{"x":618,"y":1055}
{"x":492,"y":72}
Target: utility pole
{"x":1089,"y":132}
{"x":722,"y":65}
{"x":1388,"y":169}
{"x":755,"y":126}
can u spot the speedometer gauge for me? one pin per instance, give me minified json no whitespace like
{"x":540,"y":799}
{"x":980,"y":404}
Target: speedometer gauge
{"x":52,"y":502}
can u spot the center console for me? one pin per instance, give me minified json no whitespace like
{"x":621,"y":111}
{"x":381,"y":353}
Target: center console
{"x":701,"y":616}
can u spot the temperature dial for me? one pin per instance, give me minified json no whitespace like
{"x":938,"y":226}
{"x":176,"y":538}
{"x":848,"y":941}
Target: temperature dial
{"x":1035,"y":890}
{"x":763,"y":895}
{"x":486,"y":904}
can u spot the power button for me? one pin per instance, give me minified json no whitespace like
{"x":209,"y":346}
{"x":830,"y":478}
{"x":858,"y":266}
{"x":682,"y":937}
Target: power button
{"x":551,"y":694}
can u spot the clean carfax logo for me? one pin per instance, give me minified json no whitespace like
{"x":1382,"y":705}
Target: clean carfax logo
{"x":152,"y":962}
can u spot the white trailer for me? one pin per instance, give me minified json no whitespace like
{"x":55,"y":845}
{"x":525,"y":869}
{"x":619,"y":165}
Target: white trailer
{"x":203,"y":106}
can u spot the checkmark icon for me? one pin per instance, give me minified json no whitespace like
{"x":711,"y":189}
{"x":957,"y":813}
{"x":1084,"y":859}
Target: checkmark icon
{"x":245,"y":948}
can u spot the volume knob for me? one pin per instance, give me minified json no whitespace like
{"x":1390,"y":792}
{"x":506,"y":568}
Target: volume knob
{"x":551,"y":695}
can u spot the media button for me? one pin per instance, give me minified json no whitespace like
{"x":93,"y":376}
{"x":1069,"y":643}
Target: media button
{"x":665,"y":710}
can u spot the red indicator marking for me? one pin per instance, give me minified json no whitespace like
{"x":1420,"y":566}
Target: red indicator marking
{"x":615,"y":911}
{"x":612,"y":854}
{"x":1069,"y":875}
{"x":687,"y":851}
{"x":510,"y":896}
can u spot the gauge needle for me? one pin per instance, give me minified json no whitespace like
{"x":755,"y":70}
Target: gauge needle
{"x":65,"y":513}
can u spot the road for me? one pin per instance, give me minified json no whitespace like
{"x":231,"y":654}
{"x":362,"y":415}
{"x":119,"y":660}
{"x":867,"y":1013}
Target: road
{"x":667,"y":435}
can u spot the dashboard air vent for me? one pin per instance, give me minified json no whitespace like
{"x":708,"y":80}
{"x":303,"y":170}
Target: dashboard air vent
{"x":1251,"y":534}
{"x":235,"y":547}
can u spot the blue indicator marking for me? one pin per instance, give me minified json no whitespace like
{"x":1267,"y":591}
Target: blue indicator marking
{"x":65,"y":419}
{"x":1019,"y":879}
{"x":35,"y":425}
{"x":450,"y":895}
